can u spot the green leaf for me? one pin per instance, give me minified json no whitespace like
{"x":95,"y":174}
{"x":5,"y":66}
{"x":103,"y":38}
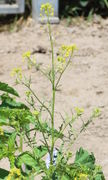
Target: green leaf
{"x":99,"y":177}
{"x":11,"y":142}
{"x":84,"y":158}
{"x":8,"y":101}
{"x":98,"y":174}
{"x":3,"y":121}
{"x":46,"y":129}
{"x":3,"y":152}
{"x":3,"y":173}
{"x":64,"y":177}
{"x":27,"y":159}
{"x":6,"y":88}
{"x":15,"y":116}
{"x":7,"y":144}
{"x":84,"y":3}
{"x":40,"y":151}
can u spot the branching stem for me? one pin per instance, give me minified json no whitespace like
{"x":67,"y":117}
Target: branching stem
{"x":53,"y":91}
{"x":34,"y":94}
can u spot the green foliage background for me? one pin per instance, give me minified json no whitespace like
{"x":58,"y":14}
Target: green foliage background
{"x":78,"y":7}
{"x":83,"y":7}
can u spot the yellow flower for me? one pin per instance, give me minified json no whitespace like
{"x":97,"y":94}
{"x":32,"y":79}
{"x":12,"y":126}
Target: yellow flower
{"x":65,"y":53}
{"x":83,"y":176}
{"x":27,"y":54}
{"x":46,"y":9}
{"x":9,"y":177}
{"x":68,"y":50}
{"x":31,"y":61}
{"x":13,"y":173}
{"x":1,"y":131}
{"x":79,"y":111}
{"x":17,"y":72}
{"x":36,"y":113}
{"x":61,"y":59}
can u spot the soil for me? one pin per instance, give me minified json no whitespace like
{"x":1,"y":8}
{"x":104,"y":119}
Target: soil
{"x":85,"y":83}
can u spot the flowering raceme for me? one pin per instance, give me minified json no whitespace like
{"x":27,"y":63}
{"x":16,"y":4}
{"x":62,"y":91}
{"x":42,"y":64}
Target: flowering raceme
{"x":47,"y":9}
{"x":30,"y":60}
{"x":79,"y":111}
{"x":27,"y":54}
{"x":61,"y":59}
{"x":17,"y":72}
{"x":67,"y":50}
{"x":65,"y":54}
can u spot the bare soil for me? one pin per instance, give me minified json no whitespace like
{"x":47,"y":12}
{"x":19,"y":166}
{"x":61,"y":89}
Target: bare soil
{"x":85,"y":83}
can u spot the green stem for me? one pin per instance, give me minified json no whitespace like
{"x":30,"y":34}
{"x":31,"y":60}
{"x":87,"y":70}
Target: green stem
{"x":53,"y":92}
{"x":12,"y":160}
{"x":81,"y":130}
{"x":44,"y":136}
{"x":21,"y":143}
{"x":46,"y":143}
{"x":106,"y":3}
{"x":38,"y":99}
{"x":58,"y":80}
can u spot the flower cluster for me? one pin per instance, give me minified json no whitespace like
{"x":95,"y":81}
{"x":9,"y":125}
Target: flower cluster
{"x":15,"y":172}
{"x":61,"y":59}
{"x":79,"y":111}
{"x":65,"y":53}
{"x":30,"y":61}
{"x":68,"y":50}
{"x":17,"y":72}
{"x":27,"y":54}
{"x":47,"y":9}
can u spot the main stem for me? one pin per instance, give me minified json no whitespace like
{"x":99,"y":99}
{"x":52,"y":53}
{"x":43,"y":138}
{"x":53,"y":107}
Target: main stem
{"x":21,"y":143}
{"x":53,"y":93}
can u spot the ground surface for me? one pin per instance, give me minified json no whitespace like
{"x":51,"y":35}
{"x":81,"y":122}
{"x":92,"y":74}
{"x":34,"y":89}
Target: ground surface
{"x":85,"y":83}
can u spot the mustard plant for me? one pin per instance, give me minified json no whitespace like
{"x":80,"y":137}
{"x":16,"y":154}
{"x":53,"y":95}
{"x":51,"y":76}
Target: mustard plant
{"x":24,"y":122}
